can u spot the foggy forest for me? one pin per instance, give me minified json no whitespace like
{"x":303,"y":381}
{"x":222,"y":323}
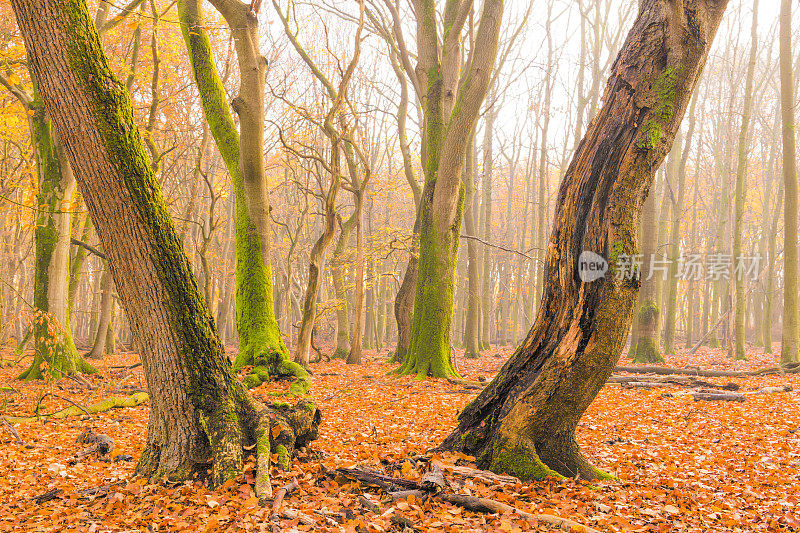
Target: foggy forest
{"x":399,"y":265}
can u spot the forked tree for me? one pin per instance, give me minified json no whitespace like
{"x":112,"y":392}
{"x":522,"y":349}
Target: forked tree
{"x":202,"y":419}
{"x":260,"y":340}
{"x":524,"y":422}
{"x":451,"y":98}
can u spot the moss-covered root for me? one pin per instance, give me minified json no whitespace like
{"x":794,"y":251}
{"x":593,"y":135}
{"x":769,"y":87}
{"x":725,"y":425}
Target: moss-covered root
{"x":277,"y":364}
{"x":281,"y":429}
{"x":105,"y":405}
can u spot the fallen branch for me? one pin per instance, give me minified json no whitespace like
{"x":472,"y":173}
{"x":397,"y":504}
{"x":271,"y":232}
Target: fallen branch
{"x":77,"y":379}
{"x":466,"y":384}
{"x":392,"y":497}
{"x":771,"y":390}
{"x":382,"y":481}
{"x":281,"y":494}
{"x":105,"y":405}
{"x":291,"y":514}
{"x":483,"y":475}
{"x":485,"y":505}
{"x":666,"y":371}
{"x":53,"y":494}
{"x":718,"y":397}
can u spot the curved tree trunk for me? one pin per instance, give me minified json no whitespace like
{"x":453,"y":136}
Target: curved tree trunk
{"x":199,"y":412}
{"x":524,"y":422}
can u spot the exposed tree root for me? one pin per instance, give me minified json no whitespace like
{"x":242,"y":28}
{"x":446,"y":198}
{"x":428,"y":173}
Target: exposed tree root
{"x":105,"y":405}
{"x":234,"y":429}
{"x":274,"y":364}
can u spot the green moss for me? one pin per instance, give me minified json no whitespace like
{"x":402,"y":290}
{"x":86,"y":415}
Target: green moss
{"x":647,"y":351}
{"x":284,"y":460}
{"x":429,"y":352}
{"x":259,"y":332}
{"x":519,"y":459}
{"x":648,"y":313}
{"x":664,"y":89}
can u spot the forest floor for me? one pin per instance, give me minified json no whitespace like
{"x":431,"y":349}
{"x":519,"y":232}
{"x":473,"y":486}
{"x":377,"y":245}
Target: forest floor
{"x":682,"y":465}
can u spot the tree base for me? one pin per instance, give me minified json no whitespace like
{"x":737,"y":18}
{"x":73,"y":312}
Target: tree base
{"x":647,"y":351}
{"x":68,"y":362}
{"x":237,"y":427}
{"x":341,"y":353}
{"x":270,"y":364}
{"x":430,"y":365}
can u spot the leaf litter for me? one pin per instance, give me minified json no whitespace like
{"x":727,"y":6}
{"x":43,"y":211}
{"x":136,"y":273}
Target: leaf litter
{"x":681,"y":465}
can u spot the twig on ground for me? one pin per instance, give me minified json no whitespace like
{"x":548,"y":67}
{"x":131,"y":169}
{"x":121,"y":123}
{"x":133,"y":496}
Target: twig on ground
{"x":15,"y":433}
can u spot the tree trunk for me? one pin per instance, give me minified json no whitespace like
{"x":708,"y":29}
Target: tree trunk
{"x":106,"y":309}
{"x":443,"y":152}
{"x":338,"y":274}
{"x":472,"y":348}
{"x":354,"y":357}
{"x":199,"y":412}
{"x":791,"y":319}
{"x":52,"y":336}
{"x":260,"y":341}
{"x":524,"y":422}
{"x":675,"y":237}
{"x":486,"y":218}
{"x":646,"y":349}
{"x":740,"y":195}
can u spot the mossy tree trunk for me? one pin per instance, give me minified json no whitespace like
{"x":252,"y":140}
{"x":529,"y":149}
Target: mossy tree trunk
{"x":201,"y":416}
{"x":260,"y":341}
{"x":524,"y":422}
{"x":52,"y":335}
{"x":451,"y":100}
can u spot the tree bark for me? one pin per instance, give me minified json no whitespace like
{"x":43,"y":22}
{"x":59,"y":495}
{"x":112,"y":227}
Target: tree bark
{"x":199,"y":412}
{"x":524,"y":422}
{"x":647,"y":349}
{"x":106,"y":310}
